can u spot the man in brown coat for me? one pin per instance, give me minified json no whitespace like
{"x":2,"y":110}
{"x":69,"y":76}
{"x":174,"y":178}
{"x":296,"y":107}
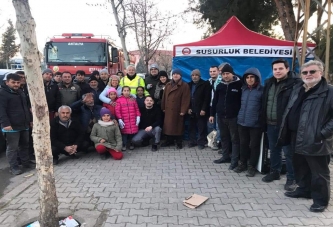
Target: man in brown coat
{"x":175,"y":104}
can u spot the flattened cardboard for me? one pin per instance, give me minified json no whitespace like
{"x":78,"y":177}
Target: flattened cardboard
{"x":194,"y":201}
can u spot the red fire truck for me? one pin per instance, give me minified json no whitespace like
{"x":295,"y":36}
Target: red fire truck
{"x":82,"y":51}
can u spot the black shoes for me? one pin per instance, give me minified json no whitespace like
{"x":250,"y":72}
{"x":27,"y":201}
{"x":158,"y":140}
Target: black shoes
{"x":201,"y":147}
{"x":298,"y":194}
{"x":167,"y":143}
{"x":154,"y":147}
{"x":232,"y":167}
{"x":179,"y":145}
{"x":55,"y":161}
{"x":16,"y":171}
{"x":290,"y":185}
{"x":222,"y":160}
{"x":190,"y":145}
{"x":251,"y":171}
{"x":103,"y":156}
{"x":272,"y":176}
{"x":317,"y":208}
{"x":240,"y":168}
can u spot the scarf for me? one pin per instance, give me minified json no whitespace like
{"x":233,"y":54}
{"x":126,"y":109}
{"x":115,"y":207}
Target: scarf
{"x":105,"y":124}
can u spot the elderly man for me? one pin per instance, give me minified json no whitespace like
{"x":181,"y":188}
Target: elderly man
{"x":66,"y":135}
{"x":152,"y":79}
{"x":132,"y":80}
{"x":15,"y":120}
{"x":307,"y":124}
{"x":199,"y":109}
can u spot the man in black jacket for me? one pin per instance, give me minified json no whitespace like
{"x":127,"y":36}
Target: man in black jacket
{"x":226,"y":103}
{"x":199,"y":110}
{"x":308,"y":123}
{"x":276,"y":94}
{"x":152,"y":79}
{"x":51,"y":93}
{"x":15,"y":119}
{"x":150,"y":124}
{"x":66,"y":135}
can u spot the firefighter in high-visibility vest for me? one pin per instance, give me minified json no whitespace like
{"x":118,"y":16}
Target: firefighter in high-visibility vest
{"x":132,"y":80}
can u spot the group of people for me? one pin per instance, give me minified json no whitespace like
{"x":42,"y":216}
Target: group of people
{"x":110,"y":113}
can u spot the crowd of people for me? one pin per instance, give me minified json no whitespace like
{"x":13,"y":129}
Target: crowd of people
{"x":109,"y":114}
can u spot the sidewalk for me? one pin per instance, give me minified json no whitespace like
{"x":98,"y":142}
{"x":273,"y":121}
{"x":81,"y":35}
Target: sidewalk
{"x":147,"y":188}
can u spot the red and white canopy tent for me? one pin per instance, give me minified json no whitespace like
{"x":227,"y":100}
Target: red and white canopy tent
{"x":235,"y":44}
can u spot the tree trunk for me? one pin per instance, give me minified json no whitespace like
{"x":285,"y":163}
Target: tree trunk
{"x":287,"y":18}
{"x":25,"y":25}
{"x":121,"y":31}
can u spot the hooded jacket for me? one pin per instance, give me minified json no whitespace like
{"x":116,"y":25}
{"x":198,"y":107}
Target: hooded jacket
{"x":315,"y":127}
{"x":250,"y":112}
{"x":14,"y":109}
{"x":227,"y":99}
{"x":110,"y":133}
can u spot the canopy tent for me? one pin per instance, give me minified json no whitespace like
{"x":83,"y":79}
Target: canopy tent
{"x":237,"y":45}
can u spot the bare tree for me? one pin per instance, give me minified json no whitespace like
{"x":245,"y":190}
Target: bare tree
{"x":151,"y":27}
{"x":164,"y":60}
{"x":25,"y":25}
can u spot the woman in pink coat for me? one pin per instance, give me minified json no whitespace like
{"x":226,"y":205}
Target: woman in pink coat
{"x":128,"y":115}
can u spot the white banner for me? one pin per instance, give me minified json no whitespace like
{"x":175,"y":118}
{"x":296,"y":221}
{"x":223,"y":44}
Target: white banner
{"x":239,"y":51}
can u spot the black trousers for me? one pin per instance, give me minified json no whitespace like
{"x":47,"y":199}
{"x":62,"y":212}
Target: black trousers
{"x":249,"y":144}
{"x":312,"y":175}
{"x":198,"y":124}
{"x":80,"y":148}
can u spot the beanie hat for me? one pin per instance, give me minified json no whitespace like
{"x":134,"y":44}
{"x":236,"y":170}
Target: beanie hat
{"x":105,"y":111}
{"x":92,"y":78}
{"x":163,"y":73}
{"x":103,"y":71}
{"x":111,"y":90}
{"x":177,"y":71}
{"x":47,"y":71}
{"x":227,"y":69}
{"x":154,"y":66}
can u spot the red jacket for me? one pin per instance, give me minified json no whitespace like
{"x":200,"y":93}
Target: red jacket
{"x":127,"y":109}
{"x":112,"y":109}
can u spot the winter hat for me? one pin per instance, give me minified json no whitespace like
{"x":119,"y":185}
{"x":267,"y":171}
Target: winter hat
{"x":154,"y":66}
{"x":104,"y":111}
{"x":47,"y":71}
{"x":163,"y":73}
{"x":228,"y":69}
{"x":103,"y":71}
{"x":111,"y":90}
{"x":92,"y":78}
{"x":177,"y":71}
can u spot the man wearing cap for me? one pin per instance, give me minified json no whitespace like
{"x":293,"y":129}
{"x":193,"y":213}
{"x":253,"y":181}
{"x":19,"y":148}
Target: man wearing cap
{"x":152,"y":79}
{"x":199,"y":110}
{"x":226,"y":103}
{"x":94,"y":89}
{"x":69,"y":92}
{"x":51,"y":92}
{"x":175,"y":104}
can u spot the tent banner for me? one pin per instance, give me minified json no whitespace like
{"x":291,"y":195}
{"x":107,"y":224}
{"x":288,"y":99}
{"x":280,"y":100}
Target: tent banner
{"x":239,"y":51}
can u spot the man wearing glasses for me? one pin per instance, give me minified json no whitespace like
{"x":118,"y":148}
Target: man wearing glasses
{"x":307,"y":124}
{"x":276,"y":94}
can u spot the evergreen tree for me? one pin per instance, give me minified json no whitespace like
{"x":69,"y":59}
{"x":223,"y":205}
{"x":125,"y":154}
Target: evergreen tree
{"x":8,"y":47}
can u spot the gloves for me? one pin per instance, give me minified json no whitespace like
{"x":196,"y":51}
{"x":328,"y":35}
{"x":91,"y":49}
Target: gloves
{"x":121,"y":124}
{"x":137,"y":121}
{"x":149,"y":86}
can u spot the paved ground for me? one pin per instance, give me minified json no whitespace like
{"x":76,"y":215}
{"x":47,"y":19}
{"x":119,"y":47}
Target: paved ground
{"x":146,"y":189}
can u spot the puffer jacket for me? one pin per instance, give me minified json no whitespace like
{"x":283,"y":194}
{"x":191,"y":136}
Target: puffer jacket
{"x":127,"y":109}
{"x":250,"y":112}
{"x":315,"y":127}
{"x":110,"y":133}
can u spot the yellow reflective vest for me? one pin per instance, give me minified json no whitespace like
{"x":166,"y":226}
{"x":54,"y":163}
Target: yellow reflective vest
{"x":133,"y":84}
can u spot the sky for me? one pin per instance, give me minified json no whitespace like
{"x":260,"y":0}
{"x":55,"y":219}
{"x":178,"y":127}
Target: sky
{"x":54,"y":17}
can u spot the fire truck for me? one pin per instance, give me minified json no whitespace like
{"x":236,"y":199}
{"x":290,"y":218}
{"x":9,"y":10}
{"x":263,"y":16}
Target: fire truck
{"x":82,"y":51}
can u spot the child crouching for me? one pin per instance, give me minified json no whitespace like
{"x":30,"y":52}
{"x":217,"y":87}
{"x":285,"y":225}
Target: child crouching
{"x":106,"y":136}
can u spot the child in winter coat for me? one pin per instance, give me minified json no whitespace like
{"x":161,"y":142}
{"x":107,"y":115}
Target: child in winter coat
{"x":106,"y":136}
{"x":140,"y":96}
{"x":128,"y":115}
{"x":112,"y":94}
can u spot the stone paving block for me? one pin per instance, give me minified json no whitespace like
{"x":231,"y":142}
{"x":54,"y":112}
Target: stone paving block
{"x":157,"y":212}
{"x":270,"y":221}
{"x":311,"y":221}
{"x":223,"y":207}
{"x":208,"y":221}
{"x":127,"y":219}
{"x":254,"y":213}
{"x":249,"y":221}
{"x":278,"y":207}
{"x":124,"y":200}
{"x":229,"y":222}
{"x":131,"y":206}
{"x":145,"y":219}
{"x":290,"y":221}
{"x":274,"y":213}
{"x":239,"y":213}
{"x":81,"y":200}
{"x":113,"y":206}
{"x":216,"y":214}
{"x":242,"y":207}
{"x":136,"y":225}
{"x":139,"y":212}
{"x":114,"y":225}
{"x":158,"y":225}
{"x":87,"y":206}
{"x":111,"y":219}
{"x":167,"y":220}
{"x":298,"y":207}
{"x":296,"y":213}
{"x":327,"y":221}
{"x":191,"y":221}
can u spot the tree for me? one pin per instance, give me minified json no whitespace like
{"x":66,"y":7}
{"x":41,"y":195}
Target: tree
{"x":150,"y":26}
{"x":164,"y":60}
{"x":8,"y":47}
{"x":258,"y":16}
{"x":48,"y":201}
{"x":321,"y":48}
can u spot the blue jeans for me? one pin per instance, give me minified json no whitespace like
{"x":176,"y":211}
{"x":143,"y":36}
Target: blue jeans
{"x":142,"y":134}
{"x":211,"y":127}
{"x":276,"y":152}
